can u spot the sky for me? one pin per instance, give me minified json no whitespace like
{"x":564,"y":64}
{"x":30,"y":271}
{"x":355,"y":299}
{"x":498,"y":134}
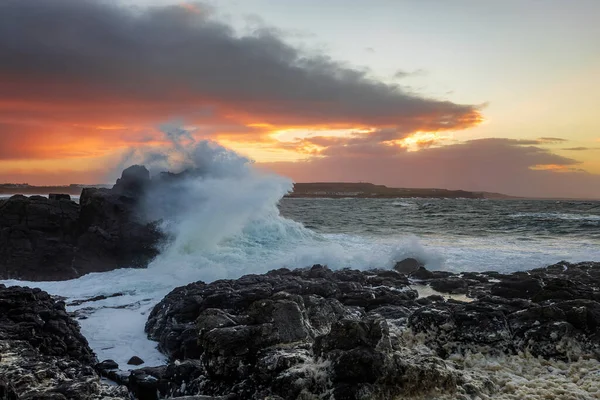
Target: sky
{"x":498,"y":96}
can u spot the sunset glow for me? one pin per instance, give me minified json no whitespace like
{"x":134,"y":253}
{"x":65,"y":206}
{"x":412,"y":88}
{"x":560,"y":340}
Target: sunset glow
{"x":73,"y":105}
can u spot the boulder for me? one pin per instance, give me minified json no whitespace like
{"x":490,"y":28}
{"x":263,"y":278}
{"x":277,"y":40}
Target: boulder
{"x":135,"y":360}
{"x":107,"y":365}
{"x":408,"y":266}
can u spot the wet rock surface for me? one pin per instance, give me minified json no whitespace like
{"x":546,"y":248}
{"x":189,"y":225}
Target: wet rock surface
{"x":42,"y":353}
{"x":55,"y":238}
{"x":317,"y":333}
{"x":562,"y":281}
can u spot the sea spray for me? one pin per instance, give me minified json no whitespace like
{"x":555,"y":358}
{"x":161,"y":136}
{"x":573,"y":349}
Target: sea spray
{"x":222,"y":218}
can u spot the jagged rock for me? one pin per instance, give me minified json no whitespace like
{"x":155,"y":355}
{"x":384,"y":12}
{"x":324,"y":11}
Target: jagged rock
{"x":37,"y":238}
{"x":133,"y":182}
{"x":55,"y":238}
{"x":452,"y":327}
{"x":43,"y":354}
{"x":562,"y":281}
{"x":113,"y":231}
{"x":563,"y":330}
{"x":317,"y":333}
{"x":288,"y":334}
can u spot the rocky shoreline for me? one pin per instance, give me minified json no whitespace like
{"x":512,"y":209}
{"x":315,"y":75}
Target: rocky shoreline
{"x":54,"y":238}
{"x":42,"y":353}
{"x":315,"y":333}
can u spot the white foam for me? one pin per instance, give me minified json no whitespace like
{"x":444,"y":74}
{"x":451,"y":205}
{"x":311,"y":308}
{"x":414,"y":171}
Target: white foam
{"x":404,"y":204}
{"x":526,"y":377}
{"x":426,"y":291}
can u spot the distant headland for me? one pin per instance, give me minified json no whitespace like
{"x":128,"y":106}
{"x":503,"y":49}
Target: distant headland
{"x":26,"y":189}
{"x":301,"y":190}
{"x":369,"y":190}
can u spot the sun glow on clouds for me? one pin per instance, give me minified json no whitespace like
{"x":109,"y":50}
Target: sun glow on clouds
{"x":553,"y":168}
{"x":421,"y":140}
{"x":262,"y":152}
{"x":315,"y":141}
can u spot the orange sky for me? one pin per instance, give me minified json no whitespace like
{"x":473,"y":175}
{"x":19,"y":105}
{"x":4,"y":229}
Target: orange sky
{"x":75,"y":98}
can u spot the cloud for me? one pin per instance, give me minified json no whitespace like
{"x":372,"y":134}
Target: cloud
{"x":41,"y":141}
{"x":493,"y":164}
{"x":80,"y":79}
{"x":580,"y":148}
{"x":151,"y":63}
{"x":386,"y":141}
{"x":399,"y":74}
{"x":552,"y":140}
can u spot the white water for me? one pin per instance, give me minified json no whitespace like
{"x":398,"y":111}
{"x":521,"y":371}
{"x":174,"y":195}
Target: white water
{"x":225,"y":223}
{"x":553,"y":216}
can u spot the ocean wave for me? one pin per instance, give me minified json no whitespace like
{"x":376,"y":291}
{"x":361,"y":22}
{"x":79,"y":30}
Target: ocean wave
{"x":557,"y":216}
{"x":404,"y":204}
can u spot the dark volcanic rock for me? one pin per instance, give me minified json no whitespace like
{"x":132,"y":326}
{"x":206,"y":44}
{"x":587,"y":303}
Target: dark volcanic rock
{"x":43,"y":354}
{"x":38,"y":237}
{"x":317,"y":333}
{"x":517,"y":288}
{"x":453,"y":285}
{"x":408,"y":266}
{"x":134,"y":181}
{"x":135,"y":360}
{"x":55,"y":238}
{"x":265,"y":325}
{"x":107,"y":365}
{"x":59,"y":196}
{"x":562,"y":281}
{"x":113,"y":231}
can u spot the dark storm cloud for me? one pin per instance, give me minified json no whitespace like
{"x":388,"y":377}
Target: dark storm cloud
{"x":79,"y":50}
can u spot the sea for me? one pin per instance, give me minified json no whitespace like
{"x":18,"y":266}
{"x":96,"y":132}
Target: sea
{"x":235,"y":220}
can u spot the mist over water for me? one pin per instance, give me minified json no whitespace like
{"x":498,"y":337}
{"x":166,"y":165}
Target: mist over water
{"x":226,"y":219}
